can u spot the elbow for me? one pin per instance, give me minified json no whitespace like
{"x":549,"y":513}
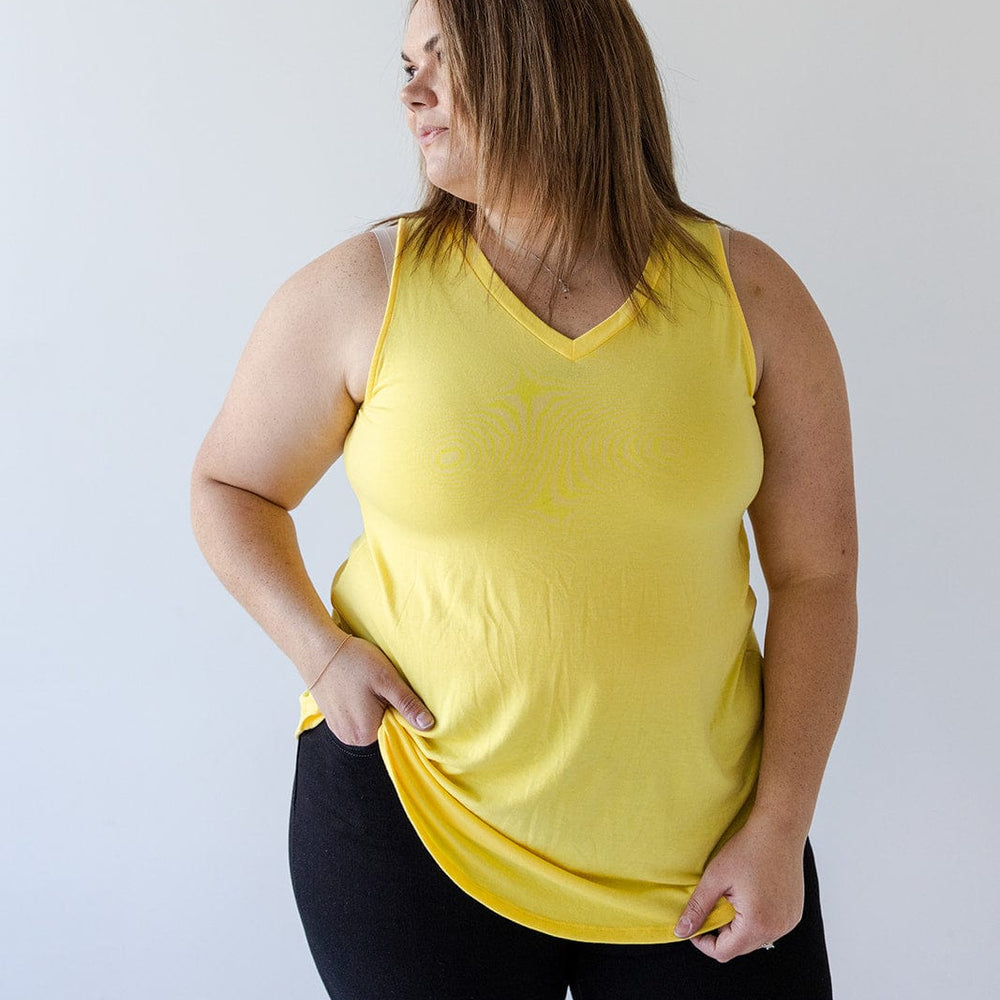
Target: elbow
{"x":202,"y":490}
{"x":198,"y":498}
{"x":831,"y":566}
{"x":840,"y":582}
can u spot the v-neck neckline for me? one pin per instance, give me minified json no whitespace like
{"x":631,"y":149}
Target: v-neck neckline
{"x":572,"y":348}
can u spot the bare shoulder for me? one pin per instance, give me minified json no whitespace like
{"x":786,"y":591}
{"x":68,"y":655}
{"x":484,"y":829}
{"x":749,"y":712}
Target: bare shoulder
{"x":352,"y":268}
{"x":294,"y":395}
{"x":342,"y":296}
{"x":785,"y":324}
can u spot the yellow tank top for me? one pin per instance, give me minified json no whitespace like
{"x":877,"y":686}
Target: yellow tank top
{"x":554,"y":557}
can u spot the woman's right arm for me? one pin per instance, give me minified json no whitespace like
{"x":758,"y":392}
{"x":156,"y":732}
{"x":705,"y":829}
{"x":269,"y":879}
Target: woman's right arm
{"x":281,"y":426}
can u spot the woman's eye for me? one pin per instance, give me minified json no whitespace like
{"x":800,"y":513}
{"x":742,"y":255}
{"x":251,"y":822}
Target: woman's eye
{"x":408,"y":71}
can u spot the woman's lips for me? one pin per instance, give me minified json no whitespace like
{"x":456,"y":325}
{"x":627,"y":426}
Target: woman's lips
{"x":428,"y":137}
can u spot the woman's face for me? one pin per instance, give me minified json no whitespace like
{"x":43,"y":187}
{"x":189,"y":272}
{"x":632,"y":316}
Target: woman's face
{"x":449,"y":156}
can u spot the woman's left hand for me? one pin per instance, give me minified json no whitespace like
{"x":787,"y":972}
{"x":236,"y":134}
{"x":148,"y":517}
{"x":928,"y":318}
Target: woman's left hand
{"x":759,"y":870}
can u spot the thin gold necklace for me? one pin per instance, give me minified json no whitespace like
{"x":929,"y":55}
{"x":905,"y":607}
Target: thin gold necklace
{"x":563,"y":284}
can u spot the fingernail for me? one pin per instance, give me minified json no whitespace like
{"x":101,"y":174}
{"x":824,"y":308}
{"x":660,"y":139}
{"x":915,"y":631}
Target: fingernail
{"x":683,"y":928}
{"x":425,"y":720}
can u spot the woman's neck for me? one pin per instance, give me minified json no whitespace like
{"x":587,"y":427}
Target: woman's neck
{"x":521,"y":245}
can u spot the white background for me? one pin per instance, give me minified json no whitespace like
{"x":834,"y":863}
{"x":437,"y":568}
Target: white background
{"x":163,"y":168}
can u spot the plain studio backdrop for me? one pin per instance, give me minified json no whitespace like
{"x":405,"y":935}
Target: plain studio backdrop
{"x":164,"y":168}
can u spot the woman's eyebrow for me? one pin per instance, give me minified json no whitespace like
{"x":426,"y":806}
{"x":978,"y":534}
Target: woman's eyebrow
{"x":428,"y":47}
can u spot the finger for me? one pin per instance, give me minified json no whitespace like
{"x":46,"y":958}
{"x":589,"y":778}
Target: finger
{"x":736,"y":938}
{"x":721,"y":945}
{"x":706,"y":943}
{"x":396,"y":691}
{"x":727,"y":943}
{"x":699,"y":906}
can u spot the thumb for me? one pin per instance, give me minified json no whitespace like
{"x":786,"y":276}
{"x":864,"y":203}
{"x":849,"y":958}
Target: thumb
{"x":401,"y":696}
{"x":699,"y":906}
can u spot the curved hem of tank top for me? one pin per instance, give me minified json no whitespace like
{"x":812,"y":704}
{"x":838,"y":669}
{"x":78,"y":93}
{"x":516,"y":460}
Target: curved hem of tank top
{"x":721,"y":914}
{"x":307,"y":722}
{"x":749,"y":354}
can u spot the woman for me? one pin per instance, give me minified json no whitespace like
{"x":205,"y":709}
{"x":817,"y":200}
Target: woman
{"x":533,"y":752}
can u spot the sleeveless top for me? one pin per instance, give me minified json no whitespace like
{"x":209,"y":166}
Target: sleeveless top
{"x":554,"y":557}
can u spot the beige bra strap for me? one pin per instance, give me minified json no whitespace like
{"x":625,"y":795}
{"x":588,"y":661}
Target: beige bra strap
{"x":724,"y":232}
{"x":387,"y":241}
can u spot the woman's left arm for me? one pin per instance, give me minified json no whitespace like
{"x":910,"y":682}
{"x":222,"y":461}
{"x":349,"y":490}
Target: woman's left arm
{"x":805,"y":526}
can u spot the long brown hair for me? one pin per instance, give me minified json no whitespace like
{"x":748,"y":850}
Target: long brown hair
{"x":565,"y":104}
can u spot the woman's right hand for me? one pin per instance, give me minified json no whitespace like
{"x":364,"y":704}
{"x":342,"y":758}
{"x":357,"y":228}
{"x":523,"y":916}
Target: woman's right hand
{"x":355,"y":689}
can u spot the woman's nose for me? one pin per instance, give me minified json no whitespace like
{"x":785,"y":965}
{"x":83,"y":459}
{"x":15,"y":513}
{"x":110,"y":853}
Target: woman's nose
{"x":416,"y":94}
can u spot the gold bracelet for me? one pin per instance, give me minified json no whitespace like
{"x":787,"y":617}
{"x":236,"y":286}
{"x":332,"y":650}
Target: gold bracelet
{"x":328,"y":662}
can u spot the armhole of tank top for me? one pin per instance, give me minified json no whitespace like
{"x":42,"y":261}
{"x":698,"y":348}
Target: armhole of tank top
{"x":748,"y":354}
{"x":389,"y":239}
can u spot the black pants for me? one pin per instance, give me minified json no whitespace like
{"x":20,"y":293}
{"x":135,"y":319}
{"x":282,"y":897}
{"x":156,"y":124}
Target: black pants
{"x":384,"y":922}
